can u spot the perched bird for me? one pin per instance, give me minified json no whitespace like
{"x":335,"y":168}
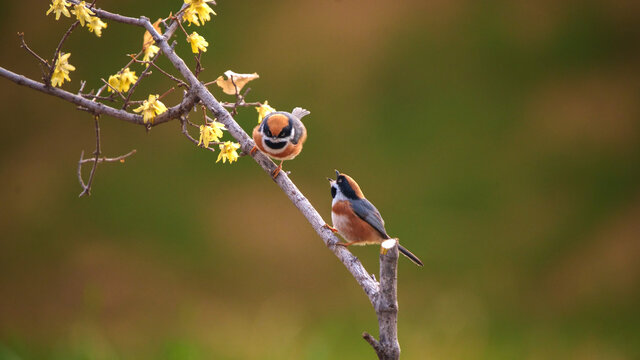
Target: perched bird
{"x":281,"y":135}
{"x":355,"y":218}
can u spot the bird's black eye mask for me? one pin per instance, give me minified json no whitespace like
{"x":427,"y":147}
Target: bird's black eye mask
{"x":333,"y":192}
{"x":286,"y":131}
{"x":346,"y":188}
{"x":266,"y":130}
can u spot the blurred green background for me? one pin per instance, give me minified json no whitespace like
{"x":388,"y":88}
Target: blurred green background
{"x":499,"y":139}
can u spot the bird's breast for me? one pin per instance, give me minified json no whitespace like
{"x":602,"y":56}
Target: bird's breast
{"x":351,"y":226}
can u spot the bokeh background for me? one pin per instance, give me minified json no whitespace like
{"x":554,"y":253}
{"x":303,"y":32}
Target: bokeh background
{"x":499,"y":139}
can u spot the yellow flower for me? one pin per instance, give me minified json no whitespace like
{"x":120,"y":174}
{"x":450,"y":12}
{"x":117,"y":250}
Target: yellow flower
{"x":114,"y":81}
{"x":61,"y":71}
{"x":199,"y":8}
{"x":191,"y":16}
{"x":263,"y":110}
{"x":82,"y":13}
{"x":127,"y":78}
{"x":59,"y":7}
{"x":198,"y":43}
{"x":211,"y":132}
{"x":96,"y":25}
{"x":228,"y":152}
{"x":150,"y":52}
{"x":151,"y":108}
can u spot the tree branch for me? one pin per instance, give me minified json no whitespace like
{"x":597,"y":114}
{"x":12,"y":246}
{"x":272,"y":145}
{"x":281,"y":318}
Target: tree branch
{"x":86,"y":190}
{"x":120,"y":158}
{"x":352,"y":263}
{"x":98,"y":108}
{"x":24,"y":45}
{"x":386,"y":306}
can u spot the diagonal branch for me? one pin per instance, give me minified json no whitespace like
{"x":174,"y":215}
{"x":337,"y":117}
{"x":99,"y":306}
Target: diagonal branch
{"x":54,"y":61}
{"x":366,"y":282}
{"x":43,"y":63}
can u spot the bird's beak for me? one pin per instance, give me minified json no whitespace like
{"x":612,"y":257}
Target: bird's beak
{"x":337,"y":173}
{"x":330,"y":180}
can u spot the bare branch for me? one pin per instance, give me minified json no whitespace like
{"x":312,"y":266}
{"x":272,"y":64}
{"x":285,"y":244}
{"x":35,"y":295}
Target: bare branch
{"x":180,"y":82}
{"x":80,"y":170}
{"x":54,"y":61}
{"x":120,"y":158}
{"x":373,"y":342}
{"x":87,"y":189}
{"x":24,"y":46}
{"x":144,"y":73}
{"x":386,"y":306}
{"x":352,"y":263}
{"x":185,"y":132}
{"x":98,"y":108}
{"x":114,"y":90}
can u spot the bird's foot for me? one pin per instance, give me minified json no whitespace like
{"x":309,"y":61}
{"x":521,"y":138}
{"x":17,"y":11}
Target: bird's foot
{"x":275,"y":172}
{"x":334,"y":230}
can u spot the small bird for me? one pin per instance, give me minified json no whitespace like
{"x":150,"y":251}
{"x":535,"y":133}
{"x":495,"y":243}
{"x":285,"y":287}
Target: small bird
{"x":281,"y":135}
{"x":355,"y":218}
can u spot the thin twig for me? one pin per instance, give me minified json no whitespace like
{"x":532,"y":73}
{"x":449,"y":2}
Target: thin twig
{"x":94,"y":97}
{"x":199,"y":67}
{"x":373,"y":342}
{"x":87,"y":189}
{"x":172,"y":89}
{"x":185,"y":132}
{"x":80,"y":171}
{"x":115,"y":91}
{"x":26,"y":47}
{"x":120,"y":158}
{"x":144,"y":73}
{"x":54,"y":62}
{"x":180,"y":82}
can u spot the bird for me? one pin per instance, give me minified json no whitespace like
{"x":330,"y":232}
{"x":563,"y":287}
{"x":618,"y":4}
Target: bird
{"x":281,"y":135}
{"x":355,"y":218}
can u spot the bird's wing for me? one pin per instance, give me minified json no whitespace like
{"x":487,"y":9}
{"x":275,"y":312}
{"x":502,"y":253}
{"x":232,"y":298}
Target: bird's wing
{"x":300,"y":130}
{"x":367,"y":212}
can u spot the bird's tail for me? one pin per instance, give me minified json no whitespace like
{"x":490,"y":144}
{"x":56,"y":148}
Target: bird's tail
{"x":410,"y":255}
{"x":300,"y":112}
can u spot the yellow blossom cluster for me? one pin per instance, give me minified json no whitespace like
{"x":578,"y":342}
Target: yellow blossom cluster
{"x":198,"y":43}
{"x":59,"y":7}
{"x":149,"y":52}
{"x":82,"y":13}
{"x":96,"y":25}
{"x":122,"y":81}
{"x":263,"y":110}
{"x":61,"y":71}
{"x":198,"y":11}
{"x":228,"y":151}
{"x":211,"y":132}
{"x":151,"y":108}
